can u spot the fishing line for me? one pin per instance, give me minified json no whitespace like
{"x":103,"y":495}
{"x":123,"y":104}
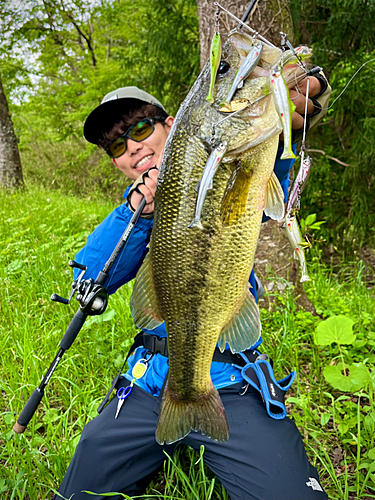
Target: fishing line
{"x":303,"y":145}
{"x":346,"y":86}
{"x":246,"y":26}
{"x":301,"y":77}
{"x":297,"y":79}
{"x":213,"y":131}
{"x":298,"y":94}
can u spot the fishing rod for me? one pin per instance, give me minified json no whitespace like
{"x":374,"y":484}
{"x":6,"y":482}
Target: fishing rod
{"x":93,"y":299}
{"x":246,"y":15}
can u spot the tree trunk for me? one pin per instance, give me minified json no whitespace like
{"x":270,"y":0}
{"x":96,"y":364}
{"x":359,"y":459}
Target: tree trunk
{"x":269,"y":17}
{"x":10,"y":161}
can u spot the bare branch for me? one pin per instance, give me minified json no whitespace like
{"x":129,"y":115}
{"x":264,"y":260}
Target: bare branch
{"x":329,"y":157}
{"x":87,"y":38}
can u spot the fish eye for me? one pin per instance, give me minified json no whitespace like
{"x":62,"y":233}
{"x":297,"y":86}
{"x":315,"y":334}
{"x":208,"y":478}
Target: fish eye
{"x":223,"y":68}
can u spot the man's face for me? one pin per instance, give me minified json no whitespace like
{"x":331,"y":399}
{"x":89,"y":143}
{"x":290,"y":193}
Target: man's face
{"x":141,"y":156}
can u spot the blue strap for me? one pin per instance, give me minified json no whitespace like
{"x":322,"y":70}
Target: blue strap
{"x":261,"y":377}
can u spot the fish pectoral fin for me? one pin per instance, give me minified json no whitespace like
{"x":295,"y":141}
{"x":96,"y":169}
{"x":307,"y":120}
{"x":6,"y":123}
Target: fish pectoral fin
{"x":143,"y":303}
{"x":177,"y":418}
{"x":233,"y":204}
{"x":243,"y":330}
{"x":274,"y":199}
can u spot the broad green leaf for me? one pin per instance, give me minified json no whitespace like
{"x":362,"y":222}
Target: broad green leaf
{"x":292,"y":399}
{"x":338,"y":329}
{"x":107,"y":316}
{"x":357,"y":379}
{"x":15,"y":265}
{"x":317,"y":225}
{"x":324,"y":418}
{"x":3,"y":486}
{"x":8,"y":418}
{"x":369,"y":424}
{"x":343,"y":427}
{"x":371,"y":454}
{"x":310,"y":219}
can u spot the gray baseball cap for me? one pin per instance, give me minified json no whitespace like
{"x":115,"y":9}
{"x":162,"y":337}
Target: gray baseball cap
{"x":112,"y":108}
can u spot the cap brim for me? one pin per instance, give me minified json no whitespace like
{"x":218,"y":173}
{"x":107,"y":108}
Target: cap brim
{"x":106,"y":115}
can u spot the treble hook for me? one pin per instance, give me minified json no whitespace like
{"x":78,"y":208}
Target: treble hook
{"x":284,"y":37}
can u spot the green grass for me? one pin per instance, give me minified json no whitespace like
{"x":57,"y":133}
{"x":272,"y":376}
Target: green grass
{"x":39,"y":232}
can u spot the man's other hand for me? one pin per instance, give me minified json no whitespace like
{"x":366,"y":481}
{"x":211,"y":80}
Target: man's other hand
{"x":298,"y":97}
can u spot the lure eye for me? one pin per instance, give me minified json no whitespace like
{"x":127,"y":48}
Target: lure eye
{"x":223,"y":68}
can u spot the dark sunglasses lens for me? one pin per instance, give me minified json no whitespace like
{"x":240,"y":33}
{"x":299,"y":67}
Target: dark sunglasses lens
{"x":116,"y":148}
{"x":141,"y":131}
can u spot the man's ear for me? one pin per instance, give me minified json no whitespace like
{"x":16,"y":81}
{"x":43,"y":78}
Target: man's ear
{"x":169,"y":121}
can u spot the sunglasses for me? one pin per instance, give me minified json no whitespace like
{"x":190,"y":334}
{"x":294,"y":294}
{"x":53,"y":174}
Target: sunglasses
{"x":137,"y":133}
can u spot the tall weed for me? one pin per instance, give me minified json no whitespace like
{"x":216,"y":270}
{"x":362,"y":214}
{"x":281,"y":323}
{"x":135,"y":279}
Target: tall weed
{"x":40,"y":231}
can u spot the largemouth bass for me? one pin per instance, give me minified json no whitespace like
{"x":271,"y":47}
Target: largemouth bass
{"x":196,"y":278}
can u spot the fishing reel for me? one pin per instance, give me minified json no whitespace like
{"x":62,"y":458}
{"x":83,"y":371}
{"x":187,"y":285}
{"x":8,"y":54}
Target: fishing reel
{"x":92,"y":297}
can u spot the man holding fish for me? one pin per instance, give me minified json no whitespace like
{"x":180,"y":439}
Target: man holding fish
{"x":193,"y":284}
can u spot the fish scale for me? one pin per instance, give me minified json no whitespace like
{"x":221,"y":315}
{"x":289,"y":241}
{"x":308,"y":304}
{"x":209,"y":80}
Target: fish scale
{"x":196,"y":279}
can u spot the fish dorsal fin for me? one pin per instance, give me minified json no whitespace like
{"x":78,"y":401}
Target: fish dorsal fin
{"x":234,"y":201}
{"x":143,"y":303}
{"x":274,"y":199}
{"x":243,"y":330}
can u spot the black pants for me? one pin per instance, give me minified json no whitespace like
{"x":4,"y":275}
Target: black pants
{"x":263,"y":459}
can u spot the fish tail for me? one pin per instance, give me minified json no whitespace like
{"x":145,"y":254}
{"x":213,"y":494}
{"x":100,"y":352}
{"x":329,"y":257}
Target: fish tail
{"x":196,"y":223}
{"x":177,"y":418}
{"x":287,"y":153}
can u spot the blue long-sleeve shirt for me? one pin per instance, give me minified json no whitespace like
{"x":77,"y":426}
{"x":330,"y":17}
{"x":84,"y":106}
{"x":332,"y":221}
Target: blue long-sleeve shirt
{"x":99,"y":247}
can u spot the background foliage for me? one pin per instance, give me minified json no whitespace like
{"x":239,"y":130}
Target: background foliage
{"x":59,"y":58}
{"x":343,"y":37}
{"x":41,"y":230}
